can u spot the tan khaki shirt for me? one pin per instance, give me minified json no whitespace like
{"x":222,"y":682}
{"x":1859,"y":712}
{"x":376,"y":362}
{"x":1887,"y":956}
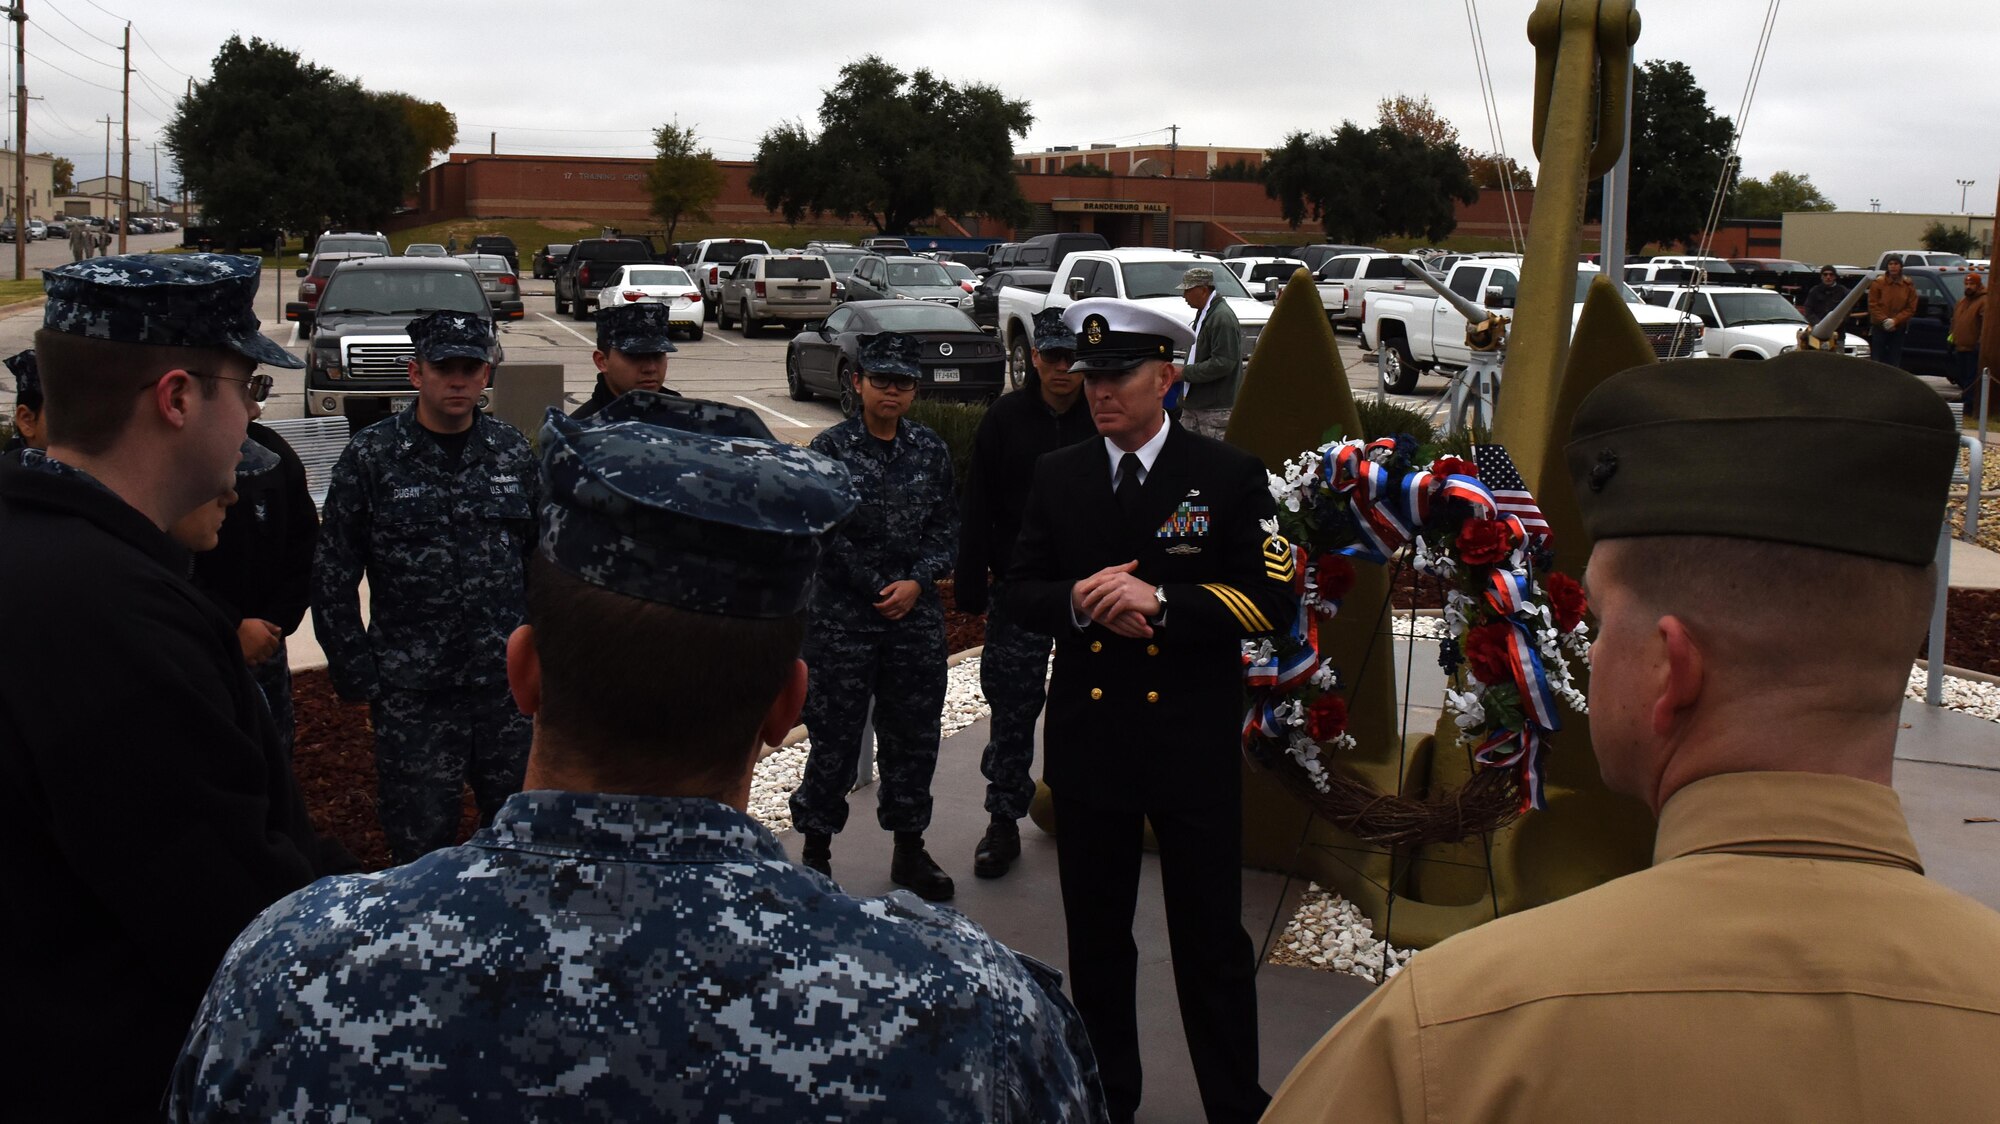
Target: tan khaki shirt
{"x":1783,"y":959}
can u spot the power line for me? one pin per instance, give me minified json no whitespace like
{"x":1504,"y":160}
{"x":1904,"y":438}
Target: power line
{"x":43,"y":32}
{"x":65,"y":15}
{"x":78,"y":77}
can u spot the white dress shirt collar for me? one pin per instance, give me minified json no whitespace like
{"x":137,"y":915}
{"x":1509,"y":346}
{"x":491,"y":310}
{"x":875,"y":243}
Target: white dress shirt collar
{"x":1148,"y":453}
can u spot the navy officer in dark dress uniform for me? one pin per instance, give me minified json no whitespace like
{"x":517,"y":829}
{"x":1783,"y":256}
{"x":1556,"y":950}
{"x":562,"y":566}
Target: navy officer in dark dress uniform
{"x":1146,"y":555}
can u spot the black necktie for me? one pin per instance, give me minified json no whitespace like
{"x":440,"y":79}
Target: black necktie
{"x":1128,"y":483}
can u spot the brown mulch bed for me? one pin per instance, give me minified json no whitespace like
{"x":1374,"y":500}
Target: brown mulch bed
{"x":335,"y":753}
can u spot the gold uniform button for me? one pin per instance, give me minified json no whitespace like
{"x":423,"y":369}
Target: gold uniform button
{"x":1097,"y":692}
{"x":1152,"y":649}
{"x":1097,"y":645}
{"x":1152,"y":696}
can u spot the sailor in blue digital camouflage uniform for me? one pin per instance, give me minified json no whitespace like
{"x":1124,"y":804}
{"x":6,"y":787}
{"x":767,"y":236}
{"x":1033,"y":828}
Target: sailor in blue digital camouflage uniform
{"x":1045,"y":414}
{"x":649,"y":955}
{"x":436,"y":505}
{"x":877,"y":626}
{"x":27,"y":417}
{"x":633,"y":341}
{"x":151,"y":812}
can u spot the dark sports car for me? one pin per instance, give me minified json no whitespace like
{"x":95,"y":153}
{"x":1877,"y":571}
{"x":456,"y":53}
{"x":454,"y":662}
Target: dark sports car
{"x":959,"y":360}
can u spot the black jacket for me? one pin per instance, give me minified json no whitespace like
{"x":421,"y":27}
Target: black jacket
{"x":261,"y":566}
{"x":1151,"y":723}
{"x":151,"y":812}
{"x":1016,"y":431}
{"x":601,"y":396}
{"x":1824,"y":298}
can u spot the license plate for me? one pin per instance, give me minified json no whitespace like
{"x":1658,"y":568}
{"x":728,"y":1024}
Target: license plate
{"x":398,"y":405}
{"x":944,"y":374}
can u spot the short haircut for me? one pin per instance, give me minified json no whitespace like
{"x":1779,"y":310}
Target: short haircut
{"x":642,"y":695}
{"x":91,"y":386}
{"x":1784,"y":614}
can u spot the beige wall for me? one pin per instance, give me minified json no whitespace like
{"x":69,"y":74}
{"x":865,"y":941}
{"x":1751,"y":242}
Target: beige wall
{"x":41,"y":186}
{"x":1861,"y":237}
{"x":102,"y":188}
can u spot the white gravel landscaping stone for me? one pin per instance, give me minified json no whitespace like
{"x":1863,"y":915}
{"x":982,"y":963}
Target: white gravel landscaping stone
{"x":1328,"y":933}
{"x":1969,"y":696}
{"x":778,"y":774}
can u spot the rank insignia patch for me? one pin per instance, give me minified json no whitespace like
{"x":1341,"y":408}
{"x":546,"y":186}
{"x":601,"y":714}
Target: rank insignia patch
{"x":1279,"y":564}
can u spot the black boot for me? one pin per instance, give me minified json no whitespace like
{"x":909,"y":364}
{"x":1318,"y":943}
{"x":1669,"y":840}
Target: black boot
{"x":998,"y":850}
{"x":818,"y":853}
{"x":914,"y":868}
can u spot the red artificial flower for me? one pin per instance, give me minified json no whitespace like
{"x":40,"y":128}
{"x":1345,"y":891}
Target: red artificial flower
{"x":1486,"y":650}
{"x":1483,"y":542}
{"x":1334,"y":576}
{"x":1567,"y":600}
{"x":1326,"y":718}
{"x":1453,"y":466}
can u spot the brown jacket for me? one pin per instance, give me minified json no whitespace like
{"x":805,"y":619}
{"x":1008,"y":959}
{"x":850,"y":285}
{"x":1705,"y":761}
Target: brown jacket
{"x":1891,"y":299}
{"x":1968,"y":320}
{"x":1784,"y":959}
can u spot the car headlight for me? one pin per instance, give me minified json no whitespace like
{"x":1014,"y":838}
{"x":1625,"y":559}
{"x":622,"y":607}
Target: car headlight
{"x":904,"y":297}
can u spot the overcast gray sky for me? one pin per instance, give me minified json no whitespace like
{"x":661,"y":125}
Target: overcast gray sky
{"x":594,"y":79}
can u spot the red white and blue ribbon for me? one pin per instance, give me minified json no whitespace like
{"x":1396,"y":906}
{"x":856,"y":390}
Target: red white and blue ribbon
{"x":1270,"y":684}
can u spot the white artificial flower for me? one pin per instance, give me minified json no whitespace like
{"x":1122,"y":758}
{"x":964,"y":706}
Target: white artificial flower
{"x":1326,"y":677}
{"x":1270,"y":525}
{"x":1465,"y":707}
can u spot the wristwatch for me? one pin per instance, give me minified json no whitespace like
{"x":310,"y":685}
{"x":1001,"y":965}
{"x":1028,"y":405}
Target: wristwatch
{"x":1160,"y":595}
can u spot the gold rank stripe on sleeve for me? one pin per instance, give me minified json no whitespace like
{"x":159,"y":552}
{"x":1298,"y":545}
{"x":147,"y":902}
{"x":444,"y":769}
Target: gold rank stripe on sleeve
{"x":1241,"y":607}
{"x":1278,"y":563}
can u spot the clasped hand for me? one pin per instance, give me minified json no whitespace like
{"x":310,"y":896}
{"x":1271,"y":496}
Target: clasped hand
{"x":1118,"y":599}
{"x":898,"y":598}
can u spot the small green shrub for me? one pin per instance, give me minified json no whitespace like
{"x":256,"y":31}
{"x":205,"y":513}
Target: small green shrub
{"x":1383,"y":418}
{"x":957,"y":423}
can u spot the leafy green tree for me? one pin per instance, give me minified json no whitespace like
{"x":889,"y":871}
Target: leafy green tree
{"x":1364,"y":184}
{"x":271,"y":140}
{"x":895,"y":149}
{"x":1943,"y":239}
{"x":1492,"y":171}
{"x":1417,"y":117}
{"x":1087,"y":170}
{"x":431,"y":127}
{"x":684,"y":178}
{"x":1239,"y":170}
{"x":1679,"y":146}
{"x":1770,"y":199}
{"x":63,"y":170}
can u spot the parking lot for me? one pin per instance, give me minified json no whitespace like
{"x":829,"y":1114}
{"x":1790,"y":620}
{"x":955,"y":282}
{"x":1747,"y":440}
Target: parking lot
{"x":722,"y":365}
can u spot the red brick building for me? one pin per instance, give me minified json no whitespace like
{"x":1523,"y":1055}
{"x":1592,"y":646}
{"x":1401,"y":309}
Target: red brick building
{"x":1142,"y":210}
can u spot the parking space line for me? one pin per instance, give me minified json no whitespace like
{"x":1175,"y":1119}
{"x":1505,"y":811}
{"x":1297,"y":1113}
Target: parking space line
{"x":723,"y":338}
{"x":294,"y":340}
{"x":591,"y":343}
{"x":786,"y":418}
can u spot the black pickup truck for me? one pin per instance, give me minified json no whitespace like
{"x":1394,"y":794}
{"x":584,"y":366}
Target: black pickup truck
{"x":590,"y":266}
{"x":215,"y":239}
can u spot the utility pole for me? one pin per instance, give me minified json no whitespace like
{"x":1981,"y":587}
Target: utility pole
{"x":1173,"y":151}
{"x":493,"y":144}
{"x":107,"y":167}
{"x":1611,"y":231}
{"x":186,"y":218}
{"x":20,"y":20}
{"x":125,"y":164}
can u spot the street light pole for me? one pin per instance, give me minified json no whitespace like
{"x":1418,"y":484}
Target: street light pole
{"x":1962,"y":185}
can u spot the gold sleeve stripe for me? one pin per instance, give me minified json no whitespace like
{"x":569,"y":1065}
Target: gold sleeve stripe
{"x":1241,"y":607}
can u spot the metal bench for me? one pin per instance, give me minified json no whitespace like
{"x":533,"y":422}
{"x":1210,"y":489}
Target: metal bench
{"x":318,"y":442}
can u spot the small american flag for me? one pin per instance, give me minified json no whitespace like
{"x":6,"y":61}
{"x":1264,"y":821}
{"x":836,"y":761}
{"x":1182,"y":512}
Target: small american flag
{"x":1497,"y":472}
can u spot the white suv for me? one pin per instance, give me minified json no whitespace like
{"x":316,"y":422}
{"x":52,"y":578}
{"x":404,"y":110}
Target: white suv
{"x":791,"y":288}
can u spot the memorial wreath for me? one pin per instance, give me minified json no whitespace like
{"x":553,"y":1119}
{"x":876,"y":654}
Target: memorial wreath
{"x":1512,"y":626}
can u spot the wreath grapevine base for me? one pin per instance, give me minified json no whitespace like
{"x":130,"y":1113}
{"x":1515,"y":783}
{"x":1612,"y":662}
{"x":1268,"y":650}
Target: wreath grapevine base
{"x":1511,"y":636}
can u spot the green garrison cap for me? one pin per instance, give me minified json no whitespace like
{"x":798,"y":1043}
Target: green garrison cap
{"x":1810,"y":448}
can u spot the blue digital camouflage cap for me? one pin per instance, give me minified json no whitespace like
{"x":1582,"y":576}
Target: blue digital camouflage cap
{"x":255,"y":459}
{"x":1051,"y":334}
{"x":452,"y":335}
{"x":27,"y":378}
{"x":709,"y":524}
{"x":890,"y":353}
{"x":691,"y":415}
{"x":635,"y":329}
{"x":171,"y":300}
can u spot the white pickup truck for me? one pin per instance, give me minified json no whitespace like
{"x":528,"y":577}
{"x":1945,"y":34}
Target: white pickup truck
{"x":1413,"y":331}
{"x":1143,"y":276}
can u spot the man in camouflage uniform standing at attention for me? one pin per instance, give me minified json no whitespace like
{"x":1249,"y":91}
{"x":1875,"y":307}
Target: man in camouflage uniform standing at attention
{"x":1045,"y":414}
{"x":633,"y":341}
{"x":877,"y":626}
{"x":437,"y":505}
{"x":650,"y":954}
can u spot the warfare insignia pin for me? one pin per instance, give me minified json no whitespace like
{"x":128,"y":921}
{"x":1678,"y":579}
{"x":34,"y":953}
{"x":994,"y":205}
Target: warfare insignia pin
{"x":1184,"y":548}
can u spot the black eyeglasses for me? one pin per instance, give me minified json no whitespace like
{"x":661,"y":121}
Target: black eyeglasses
{"x":1059,"y":358}
{"x":898,"y":382}
{"x":260,"y":385}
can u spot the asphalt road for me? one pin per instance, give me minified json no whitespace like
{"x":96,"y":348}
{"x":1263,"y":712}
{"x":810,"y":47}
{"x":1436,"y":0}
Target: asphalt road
{"x":722,"y":366}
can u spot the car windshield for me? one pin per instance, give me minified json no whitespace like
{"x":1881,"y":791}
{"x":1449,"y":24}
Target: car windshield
{"x":1754,"y":306}
{"x":959,"y":271}
{"x":403,"y":290}
{"x":844,"y":261}
{"x":663,"y":275}
{"x":1945,"y":259}
{"x":798,"y":269}
{"x":1162,"y":279}
{"x":351,"y":246}
{"x":732,"y":251}
{"x":1282,"y":270}
{"x":918,"y":273}
{"x":1585,"y":277}
{"x":916,"y":316}
{"x":490,"y":263}
{"x":423,"y":250}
